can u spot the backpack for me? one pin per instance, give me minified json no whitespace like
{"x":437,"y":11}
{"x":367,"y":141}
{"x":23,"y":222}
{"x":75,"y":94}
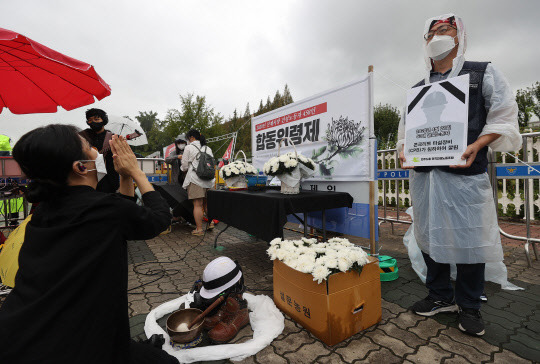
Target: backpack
{"x":205,"y":170}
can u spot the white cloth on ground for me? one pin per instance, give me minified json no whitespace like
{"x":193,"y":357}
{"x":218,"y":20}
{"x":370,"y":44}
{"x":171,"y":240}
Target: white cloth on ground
{"x":267,"y":323}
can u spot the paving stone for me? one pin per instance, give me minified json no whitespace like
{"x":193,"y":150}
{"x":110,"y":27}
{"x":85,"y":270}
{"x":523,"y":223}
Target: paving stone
{"x":407,"y":319}
{"x":140,"y":306}
{"x":528,"y":338}
{"x":381,"y":356}
{"x":398,"y":347}
{"x":456,"y":359}
{"x":479,"y":343}
{"x":267,"y":355}
{"x":357,"y":349}
{"x":464,"y":350}
{"x":429,"y":354}
{"x":333,"y":358}
{"x":427,"y":328}
{"x":407,"y":337}
{"x":392,"y":307}
{"x":523,"y":350}
{"x":292,"y":342}
{"x":507,"y":356}
{"x":307,"y":353}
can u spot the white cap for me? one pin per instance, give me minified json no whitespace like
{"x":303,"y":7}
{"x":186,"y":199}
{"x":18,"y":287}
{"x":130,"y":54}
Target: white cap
{"x":220,"y":274}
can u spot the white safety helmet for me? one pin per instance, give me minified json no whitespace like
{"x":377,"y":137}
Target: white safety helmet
{"x":220,"y":274}
{"x":457,"y":64}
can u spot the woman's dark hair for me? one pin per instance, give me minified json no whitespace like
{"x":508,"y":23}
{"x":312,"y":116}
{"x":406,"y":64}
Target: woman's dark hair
{"x":99,"y":113}
{"x":46,"y":156}
{"x":197,"y":135}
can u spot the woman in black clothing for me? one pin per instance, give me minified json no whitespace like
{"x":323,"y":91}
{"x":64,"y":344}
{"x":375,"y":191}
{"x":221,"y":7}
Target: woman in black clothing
{"x":69,"y":304}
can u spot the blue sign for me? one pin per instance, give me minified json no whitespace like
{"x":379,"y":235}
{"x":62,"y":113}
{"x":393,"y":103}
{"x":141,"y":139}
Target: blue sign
{"x":518,"y":171}
{"x":157,"y":178}
{"x":393,"y":174}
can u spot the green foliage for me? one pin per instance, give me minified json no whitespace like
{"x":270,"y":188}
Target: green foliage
{"x":386,"y":121}
{"x":528,"y":101}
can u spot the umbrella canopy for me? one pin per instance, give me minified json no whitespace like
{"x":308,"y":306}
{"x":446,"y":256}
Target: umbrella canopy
{"x":37,"y":79}
{"x":128,"y":128}
{"x":177,"y":198}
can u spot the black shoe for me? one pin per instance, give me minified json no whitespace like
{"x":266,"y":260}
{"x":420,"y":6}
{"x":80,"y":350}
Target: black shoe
{"x":430,"y":307}
{"x":470,"y":321}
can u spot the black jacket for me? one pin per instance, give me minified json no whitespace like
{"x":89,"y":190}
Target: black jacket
{"x":69,"y":304}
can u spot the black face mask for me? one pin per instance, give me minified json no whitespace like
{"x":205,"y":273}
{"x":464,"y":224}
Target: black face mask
{"x":95,"y":126}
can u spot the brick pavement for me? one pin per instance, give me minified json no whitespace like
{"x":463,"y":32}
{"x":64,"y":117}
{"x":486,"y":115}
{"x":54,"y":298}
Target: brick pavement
{"x":512,"y":317}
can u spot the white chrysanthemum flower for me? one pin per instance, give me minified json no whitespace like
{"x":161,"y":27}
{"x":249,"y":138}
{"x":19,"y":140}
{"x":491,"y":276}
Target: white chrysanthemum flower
{"x":283,"y":158}
{"x":306,"y":263}
{"x":228,"y":172}
{"x":294,"y":163}
{"x":288,"y":245}
{"x":331,"y":263}
{"x":344,"y":264}
{"x":275,"y":167}
{"x":272,"y":252}
{"x":275,"y":241}
{"x":291,"y":261}
{"x":287,"y":164}
{"x":320,"y":250}
{"x":242,"y":170}
{"x":281,"y":254}
{"x":320,"y":273}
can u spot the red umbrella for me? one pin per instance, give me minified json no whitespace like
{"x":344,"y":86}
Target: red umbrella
{"x":37,"y":79}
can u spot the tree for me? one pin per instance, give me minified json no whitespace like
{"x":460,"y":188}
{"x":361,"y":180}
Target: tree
{"x":528,"y":101}
{"x":194,"y":114}
{"x":386,"y":121}
{"x":147,"y":120}
{"x":278,"y":101}
{"x":287,"y":97}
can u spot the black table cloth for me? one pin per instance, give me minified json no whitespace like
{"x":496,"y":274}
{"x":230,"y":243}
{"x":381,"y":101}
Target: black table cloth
{"x":263,"y":213}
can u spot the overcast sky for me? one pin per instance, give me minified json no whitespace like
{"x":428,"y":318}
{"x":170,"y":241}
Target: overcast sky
{"x":234,"y":52}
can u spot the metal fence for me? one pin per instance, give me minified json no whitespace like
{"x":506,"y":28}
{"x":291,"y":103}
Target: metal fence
{"x":516,"y":187}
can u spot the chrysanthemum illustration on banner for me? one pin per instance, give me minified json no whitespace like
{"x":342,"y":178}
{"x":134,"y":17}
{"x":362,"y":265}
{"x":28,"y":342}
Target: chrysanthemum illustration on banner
{"x":343,"y":137}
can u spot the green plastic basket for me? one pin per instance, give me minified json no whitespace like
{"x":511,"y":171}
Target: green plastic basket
{"x":389,"y":268}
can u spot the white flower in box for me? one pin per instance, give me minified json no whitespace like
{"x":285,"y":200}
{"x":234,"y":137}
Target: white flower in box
{"x":319,"y":259}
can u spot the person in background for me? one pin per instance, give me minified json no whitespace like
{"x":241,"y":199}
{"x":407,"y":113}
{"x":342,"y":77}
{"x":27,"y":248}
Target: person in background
{"x":175,"y":158}
{"x":69,"y":303}
{"x":196,"y":187}
{"x":177,"y":176}
{"x":5,"y":146}
{"x":99,"y":138}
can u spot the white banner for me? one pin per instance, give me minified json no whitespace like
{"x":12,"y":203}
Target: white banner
{"x":333,"y":128}
{"x":436,"y":123}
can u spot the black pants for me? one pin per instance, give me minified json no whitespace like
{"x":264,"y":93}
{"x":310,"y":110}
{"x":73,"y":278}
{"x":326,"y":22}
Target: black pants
{"x":469,"y":282}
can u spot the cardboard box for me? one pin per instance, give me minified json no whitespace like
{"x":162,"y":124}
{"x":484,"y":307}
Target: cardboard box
{"x":335,"y":309}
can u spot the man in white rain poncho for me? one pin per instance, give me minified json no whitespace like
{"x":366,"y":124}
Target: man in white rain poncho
{"x":454,"y":214}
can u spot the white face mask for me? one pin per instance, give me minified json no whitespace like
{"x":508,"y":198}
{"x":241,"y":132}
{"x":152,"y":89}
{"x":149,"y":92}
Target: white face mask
{"x":101,"y":168}
{"x":181,"y":146}
{"x":440,"y":46}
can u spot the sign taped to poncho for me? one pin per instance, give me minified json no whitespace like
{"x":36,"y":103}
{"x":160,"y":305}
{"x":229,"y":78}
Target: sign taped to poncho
{"x":436,"y":123}
{"x":333,"y":128}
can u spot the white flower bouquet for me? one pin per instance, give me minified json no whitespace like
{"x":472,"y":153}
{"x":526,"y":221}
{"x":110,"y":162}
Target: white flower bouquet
{"x":319,"y":259}
{"x":234,"y":173}
{"x":290,"y":168}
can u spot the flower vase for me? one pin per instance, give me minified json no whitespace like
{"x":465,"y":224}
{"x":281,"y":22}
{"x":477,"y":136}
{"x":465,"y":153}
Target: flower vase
{"x":290,"y":182}
{"x":290,"y":190}
{"x":236,"y":182}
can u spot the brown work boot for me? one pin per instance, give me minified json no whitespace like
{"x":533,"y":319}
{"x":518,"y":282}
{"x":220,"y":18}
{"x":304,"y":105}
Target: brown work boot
{"x":235,"y":317}
{"x":212,"y":320}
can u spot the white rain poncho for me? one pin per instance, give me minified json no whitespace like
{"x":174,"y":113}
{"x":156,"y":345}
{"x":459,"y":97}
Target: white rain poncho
{"x":495,"y":272}
{"x":455,"y":216}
